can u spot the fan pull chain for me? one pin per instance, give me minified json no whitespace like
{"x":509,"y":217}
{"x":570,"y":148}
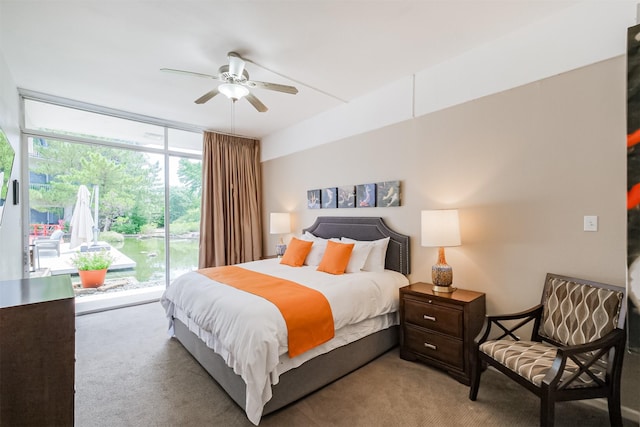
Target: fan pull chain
{"x":233,"y":117}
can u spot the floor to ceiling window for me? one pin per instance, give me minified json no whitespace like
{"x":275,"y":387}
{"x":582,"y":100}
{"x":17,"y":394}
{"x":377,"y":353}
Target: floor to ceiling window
{"x":141,"y":179}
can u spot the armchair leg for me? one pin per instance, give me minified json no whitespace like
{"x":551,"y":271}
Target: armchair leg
{"x":547,"y":412}
{"x":615,"y":412}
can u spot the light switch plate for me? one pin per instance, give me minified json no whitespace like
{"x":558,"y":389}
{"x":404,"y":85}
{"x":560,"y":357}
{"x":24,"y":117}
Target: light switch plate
{"x":591,"y":223}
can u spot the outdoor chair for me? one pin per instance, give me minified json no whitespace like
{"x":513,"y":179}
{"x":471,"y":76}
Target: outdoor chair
{"x":52,"y":242}
{"x":576,"y":349}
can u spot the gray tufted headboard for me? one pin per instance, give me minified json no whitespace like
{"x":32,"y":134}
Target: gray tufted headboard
{"x":366,"y":228}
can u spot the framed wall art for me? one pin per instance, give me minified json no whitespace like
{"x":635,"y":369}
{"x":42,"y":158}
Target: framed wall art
{"x":347,"y":196}
{"x":313,"y":199}
{"x":329,"y":197}
{"x":381,"y":194}
{"x":366,"y":195}
{"x":388,"y":194}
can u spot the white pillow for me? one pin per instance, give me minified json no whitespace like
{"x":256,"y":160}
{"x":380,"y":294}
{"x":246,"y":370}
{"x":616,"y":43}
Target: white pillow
{"x":310,"y":237}
{"x":316,"y":253}
{"x":377,"y":255}
{"x":317,"y":250}
{"x":358,"y":257}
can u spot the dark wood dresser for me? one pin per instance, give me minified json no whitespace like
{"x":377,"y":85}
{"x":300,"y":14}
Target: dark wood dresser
{"x":438,"y":328}
{"x":37,"y":352}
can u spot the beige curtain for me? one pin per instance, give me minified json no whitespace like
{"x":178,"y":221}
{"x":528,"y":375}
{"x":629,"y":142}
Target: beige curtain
{"x":231,"y":218}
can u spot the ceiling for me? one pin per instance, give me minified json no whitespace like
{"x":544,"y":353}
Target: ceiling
{"x":109,"y":52}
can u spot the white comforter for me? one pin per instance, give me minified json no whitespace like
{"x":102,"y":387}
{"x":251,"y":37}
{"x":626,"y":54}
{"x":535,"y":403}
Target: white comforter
{"x":249,"y":331}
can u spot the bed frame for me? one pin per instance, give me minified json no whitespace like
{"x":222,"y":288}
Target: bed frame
{"x":324,"y":369}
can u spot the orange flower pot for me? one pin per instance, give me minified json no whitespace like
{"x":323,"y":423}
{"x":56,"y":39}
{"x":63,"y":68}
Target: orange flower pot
{"x":92,"y":278}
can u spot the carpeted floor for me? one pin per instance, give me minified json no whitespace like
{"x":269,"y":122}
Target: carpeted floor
{"x":129,"y":373}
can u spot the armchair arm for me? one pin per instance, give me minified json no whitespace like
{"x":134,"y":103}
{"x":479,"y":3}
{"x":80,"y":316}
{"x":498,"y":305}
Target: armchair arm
{"x":528,"y":315}
{"x":597,"y":349}
{"x":606,"y":342}
{"x":48,"y":242}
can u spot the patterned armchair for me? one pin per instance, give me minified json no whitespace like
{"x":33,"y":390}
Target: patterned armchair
{"x":576,"y":348}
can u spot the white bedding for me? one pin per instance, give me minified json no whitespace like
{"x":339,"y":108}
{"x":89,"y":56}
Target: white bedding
{"x":249,"y":331}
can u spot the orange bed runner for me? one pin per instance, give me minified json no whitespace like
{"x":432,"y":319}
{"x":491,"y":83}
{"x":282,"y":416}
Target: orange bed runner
{"x":306,"y":311}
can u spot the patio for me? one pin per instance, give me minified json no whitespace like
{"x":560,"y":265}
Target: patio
{"x":48,"y":263}
{"x":116,"y":292}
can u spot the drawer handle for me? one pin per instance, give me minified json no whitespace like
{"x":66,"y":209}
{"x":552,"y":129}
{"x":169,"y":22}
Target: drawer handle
{"x":425,"y":317}
{"x":431,"y":346}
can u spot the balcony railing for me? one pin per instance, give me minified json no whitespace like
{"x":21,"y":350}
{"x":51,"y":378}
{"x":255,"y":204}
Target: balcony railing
{"x":43,"y":229}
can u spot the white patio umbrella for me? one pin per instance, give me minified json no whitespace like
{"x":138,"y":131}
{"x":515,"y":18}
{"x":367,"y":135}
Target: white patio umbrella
{"x":81,"y":221}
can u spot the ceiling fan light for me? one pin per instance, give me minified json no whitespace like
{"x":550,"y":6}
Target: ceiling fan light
{"x":233,"y":91}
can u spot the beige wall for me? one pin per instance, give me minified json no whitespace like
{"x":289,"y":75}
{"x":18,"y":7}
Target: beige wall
{"x":523,"y":166}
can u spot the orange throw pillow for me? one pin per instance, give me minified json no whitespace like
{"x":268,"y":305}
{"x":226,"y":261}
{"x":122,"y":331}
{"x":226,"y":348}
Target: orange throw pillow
{"x":296,"y":252}
{"x":336,"y":257}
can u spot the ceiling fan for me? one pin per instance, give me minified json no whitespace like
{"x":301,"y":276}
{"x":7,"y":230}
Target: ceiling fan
{"x":236,"y":83}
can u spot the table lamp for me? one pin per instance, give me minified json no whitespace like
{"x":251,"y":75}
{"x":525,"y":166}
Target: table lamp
{"x":280,"y":224}
{"x":441,"y":228}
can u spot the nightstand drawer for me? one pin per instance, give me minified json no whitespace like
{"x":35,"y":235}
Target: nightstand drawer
{"x":436,"y":346}
{"x":439,"y":318}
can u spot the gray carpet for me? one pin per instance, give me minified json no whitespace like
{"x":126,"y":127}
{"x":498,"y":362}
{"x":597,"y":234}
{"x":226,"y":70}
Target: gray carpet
{"x":129,"y":373}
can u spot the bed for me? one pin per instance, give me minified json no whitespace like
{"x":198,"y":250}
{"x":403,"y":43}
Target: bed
{"x":353,"y":346}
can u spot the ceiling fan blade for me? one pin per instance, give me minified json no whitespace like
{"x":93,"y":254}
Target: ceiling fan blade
{"x":256,"y":103}
{"x":189,"y":73}
{"x":273,"y":86}
{"x":207,"y":96}
{"x":236,"y":64}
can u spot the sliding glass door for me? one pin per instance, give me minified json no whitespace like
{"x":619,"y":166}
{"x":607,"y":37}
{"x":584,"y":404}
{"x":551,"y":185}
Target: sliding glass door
{"x":143,"y":184}
{"x":185,"y":182}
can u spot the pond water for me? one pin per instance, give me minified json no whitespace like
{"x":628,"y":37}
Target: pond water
{"x":149,"y":255}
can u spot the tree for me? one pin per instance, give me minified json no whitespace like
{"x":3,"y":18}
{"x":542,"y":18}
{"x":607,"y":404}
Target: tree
{"x":190,"y":174}
{"x":6,"y":161}
{"x":180,"y":200}
{"x":184,"y":199}
{"x":125,"y":179}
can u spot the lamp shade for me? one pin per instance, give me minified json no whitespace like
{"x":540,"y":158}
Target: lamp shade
{"x":440,"y":228}
{"x":280,"y":223}
{"x":233,"y":91}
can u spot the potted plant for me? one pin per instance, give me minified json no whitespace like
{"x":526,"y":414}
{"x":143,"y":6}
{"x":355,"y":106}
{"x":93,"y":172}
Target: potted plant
{"x":92,"y":267}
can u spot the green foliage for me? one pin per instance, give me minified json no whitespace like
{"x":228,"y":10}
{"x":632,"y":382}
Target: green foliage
{"x":148,"y":229}
{"x":192,"y":215}
{"x":111,"y":237}
{"x":98,"y":260}
{"x":158,"y":218}
{"x":6,"y":160}
{"x":137,"y":216}
{"x":184,"y":200}
{"x":131,"y":186}
{"x":180,"y":200}
{"x":125,"y":178}
{"x":190,"y":174}
{"x":124,"y":225}
{"x":131,"y":224}
{"x":179,"y":228}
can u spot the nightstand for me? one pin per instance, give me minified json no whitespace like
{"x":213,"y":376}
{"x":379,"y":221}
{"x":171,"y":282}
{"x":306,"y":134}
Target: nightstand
{"x":438,"y":328}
